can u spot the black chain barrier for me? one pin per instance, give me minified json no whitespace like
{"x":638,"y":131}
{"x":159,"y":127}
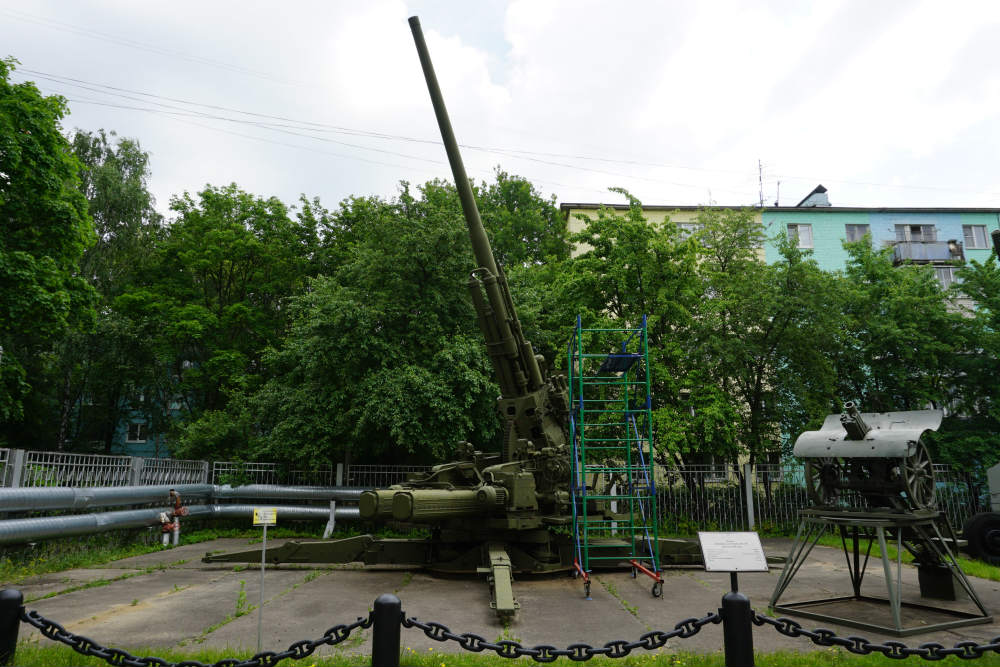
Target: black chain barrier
{"x":618,"y":648}
{"x":967,"y":650}
{"x":119,"y":658}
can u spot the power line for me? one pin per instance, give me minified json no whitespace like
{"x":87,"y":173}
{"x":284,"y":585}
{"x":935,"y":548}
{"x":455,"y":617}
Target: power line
{"x":178,"y":117}
{"x":134,"y":44}
{"x":520,"y":155}
{"x":289,"y":126}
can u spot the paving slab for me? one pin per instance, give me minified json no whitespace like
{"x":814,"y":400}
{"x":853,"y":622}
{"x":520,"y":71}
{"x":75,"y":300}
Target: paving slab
{"x":133,"y":615}
{"x":193,"y":603}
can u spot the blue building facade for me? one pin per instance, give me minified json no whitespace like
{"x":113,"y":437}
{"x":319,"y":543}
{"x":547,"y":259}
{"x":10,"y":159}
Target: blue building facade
{"x":942,"y":237}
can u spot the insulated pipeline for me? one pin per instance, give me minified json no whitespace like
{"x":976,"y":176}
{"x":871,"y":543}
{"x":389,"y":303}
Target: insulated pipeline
{"x":37,"y":499}
{"x":15,"y":531}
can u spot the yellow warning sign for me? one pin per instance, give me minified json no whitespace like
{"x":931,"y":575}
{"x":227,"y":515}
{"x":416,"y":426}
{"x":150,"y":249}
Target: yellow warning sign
{"x":265,"y":516}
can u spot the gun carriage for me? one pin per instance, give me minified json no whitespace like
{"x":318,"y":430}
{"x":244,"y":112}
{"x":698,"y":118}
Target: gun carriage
{"x":879,"y":457}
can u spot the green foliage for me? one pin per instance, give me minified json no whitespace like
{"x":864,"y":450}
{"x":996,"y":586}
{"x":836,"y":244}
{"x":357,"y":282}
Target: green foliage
{"x":900,"y":340}
{"x":110,"y":373}
{"x":523,"y":227}
{"x":382,"y":356}
{"x":737,"y":347}
{"x":44,"y":230}
{"x":976,"y":373}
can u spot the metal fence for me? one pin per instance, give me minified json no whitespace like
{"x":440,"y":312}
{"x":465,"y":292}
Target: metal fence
{"x":61,"y":469}
{"x":716,"y":497}
{"x":239,"y":472}
{"x":699,"y":497}
{"x":173,"y":471}
{"x":693,"y":498}
{"x":375,"y":476}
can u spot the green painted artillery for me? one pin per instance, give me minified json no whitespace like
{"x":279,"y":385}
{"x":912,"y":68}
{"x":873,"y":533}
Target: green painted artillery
{"x":497,"y":514}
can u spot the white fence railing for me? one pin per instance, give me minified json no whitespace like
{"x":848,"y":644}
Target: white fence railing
{"x":689,"y":499}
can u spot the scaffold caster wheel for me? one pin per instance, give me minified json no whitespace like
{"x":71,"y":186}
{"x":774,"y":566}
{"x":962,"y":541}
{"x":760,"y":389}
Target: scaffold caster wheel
{"x":658,"y":589}
{"x":633,"y":573}
{"x":586,"y":589}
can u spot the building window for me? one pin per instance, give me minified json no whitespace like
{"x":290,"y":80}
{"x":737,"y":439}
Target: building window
{"x":916,"y":233}
{"x":688,"y":229}
{"x":801,"y":235}
{"x":136,"y":432}
{"x":975,"y":236}
{"x":857,"y":232}
{"x":945,"y":275}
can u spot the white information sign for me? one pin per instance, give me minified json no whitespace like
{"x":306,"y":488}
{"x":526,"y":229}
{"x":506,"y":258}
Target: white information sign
{"x":265,"y":516}
{"x":732,"y":552}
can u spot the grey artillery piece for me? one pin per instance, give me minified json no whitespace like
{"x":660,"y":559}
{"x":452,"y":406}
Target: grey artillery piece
{"x":501,"y":513}
{"x":878,"y":455}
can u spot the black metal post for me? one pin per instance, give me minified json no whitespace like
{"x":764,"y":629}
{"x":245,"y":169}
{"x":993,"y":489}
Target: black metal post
{"x":386,"y":623}
{"x":11,"y":603}
{"x":737,"y":629}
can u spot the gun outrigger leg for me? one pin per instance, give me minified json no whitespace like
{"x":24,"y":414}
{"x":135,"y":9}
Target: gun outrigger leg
{"x":501,"y":583}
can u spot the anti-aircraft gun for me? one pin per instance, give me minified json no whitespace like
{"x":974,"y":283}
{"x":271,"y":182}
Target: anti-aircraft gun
{"x":492,"y":513}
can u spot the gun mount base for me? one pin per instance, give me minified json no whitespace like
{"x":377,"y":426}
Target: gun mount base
{"x":926,"y":535}
{"x":538,"y":552}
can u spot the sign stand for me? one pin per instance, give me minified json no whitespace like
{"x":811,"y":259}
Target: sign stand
{"x":733,"y":553}
{"x":263,"y":516}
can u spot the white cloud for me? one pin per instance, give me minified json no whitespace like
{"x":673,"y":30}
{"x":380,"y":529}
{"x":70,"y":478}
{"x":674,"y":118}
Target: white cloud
{"x":844,"y":93}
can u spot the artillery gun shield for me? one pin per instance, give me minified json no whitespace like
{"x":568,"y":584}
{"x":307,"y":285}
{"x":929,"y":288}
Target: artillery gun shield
{"x":871,"y":459}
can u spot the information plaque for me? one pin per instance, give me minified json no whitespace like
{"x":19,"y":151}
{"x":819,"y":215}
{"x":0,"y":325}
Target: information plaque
{"x":265,"y":516}
{"x":732,"y":552}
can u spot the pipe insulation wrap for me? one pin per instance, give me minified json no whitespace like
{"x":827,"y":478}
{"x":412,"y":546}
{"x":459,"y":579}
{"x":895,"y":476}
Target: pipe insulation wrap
{"x":74,"y":498}
{"x":28,"y":530}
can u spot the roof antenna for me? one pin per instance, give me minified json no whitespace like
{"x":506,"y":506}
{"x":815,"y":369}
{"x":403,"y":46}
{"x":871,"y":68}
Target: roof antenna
{"x":777,"y":195}
{"x":760,"y":184}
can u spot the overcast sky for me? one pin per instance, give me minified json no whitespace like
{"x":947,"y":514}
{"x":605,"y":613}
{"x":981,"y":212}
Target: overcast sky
{"x":886,"y":103}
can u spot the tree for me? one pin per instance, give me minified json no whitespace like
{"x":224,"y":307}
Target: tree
{"x":523,"y":227}
{"x":105,"y":374}
{"x":969,"y":438}
{"x":761,"y":332}
{"x":212,"y":299}
{"x":44,"y":230}
{"x":383,"y":358}
{"x":900,"y":347}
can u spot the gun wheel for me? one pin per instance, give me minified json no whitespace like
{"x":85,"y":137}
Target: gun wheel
{"x":822,"y":479}
{"x":918,"y":478}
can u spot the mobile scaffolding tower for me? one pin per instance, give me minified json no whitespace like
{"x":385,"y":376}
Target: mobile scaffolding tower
{"x":614,"y":492}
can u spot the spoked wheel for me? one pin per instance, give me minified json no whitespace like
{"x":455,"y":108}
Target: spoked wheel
{"x":918,"y":478}
{"x":822,"y":479}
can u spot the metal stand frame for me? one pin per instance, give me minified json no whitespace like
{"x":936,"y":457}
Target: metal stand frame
{"x":912,"y":531}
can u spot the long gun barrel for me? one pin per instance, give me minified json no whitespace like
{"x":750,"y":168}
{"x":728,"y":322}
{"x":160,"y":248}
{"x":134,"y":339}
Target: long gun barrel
{"x":517,"y":370}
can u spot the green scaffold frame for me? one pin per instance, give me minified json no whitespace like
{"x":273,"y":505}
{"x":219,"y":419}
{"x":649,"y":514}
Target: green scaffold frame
{"x":613,"y":487}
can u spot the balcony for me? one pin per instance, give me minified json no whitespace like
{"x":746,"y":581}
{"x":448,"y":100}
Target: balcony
{"x":927,"y":252}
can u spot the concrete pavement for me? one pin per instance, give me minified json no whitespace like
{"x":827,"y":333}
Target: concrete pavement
{"x":170,"y":598}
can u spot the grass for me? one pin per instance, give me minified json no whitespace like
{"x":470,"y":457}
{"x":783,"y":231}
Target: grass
{"x":96,"y":583}
{"x":32,"y":655}
{"x":972,"y":568}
